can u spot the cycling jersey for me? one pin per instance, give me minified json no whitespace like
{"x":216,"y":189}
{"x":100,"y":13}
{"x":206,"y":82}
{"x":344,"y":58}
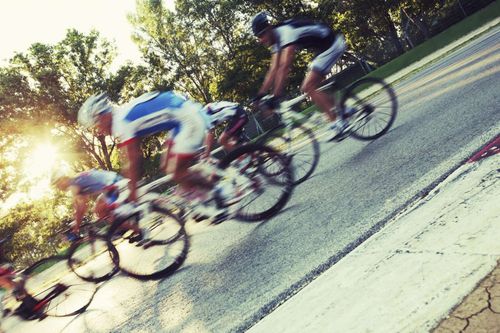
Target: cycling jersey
{"x":307,"y":34}
{"x":157,"y":112}
{"x":94,"y":181}
{"x":219,"y":112}
{"x":304,"y":34}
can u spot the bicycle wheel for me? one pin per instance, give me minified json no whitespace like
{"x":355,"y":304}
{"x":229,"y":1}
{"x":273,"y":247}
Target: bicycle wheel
{"x":93,"y":258}
{"x":375,"y":105}
{"x":164,"y":251}
{"x":57,"y":291}
{"x":300,"y":147}
{"x":265,"y":195}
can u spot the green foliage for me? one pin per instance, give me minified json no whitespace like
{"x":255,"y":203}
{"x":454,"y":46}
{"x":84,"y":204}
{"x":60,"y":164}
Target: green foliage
{"x":205,"y":50}
{"x":32,"y":227}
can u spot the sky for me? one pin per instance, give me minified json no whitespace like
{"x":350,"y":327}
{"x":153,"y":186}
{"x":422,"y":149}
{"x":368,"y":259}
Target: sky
{"x":24,"y":22}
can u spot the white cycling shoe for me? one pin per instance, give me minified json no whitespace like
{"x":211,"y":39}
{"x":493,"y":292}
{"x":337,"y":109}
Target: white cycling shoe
{"x":336,"y":130}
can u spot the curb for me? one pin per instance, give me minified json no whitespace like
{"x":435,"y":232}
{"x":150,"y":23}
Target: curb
{"x":408,"y":276}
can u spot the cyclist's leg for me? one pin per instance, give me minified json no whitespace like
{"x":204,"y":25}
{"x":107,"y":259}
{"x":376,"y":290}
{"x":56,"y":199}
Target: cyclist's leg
{"x":183,"y":154}
{"x":319,"y":67}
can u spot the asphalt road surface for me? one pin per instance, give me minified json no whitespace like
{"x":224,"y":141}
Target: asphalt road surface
{"x":236,"y":272}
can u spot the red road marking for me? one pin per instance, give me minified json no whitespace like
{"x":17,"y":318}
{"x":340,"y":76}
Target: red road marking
{"x":490,"y":149}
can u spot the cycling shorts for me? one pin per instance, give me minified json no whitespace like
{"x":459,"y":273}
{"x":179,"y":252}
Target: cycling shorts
{"x":324,"y":61}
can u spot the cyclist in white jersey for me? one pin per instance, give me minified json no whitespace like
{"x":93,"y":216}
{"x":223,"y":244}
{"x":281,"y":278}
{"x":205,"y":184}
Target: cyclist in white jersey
{"x":285,"y":39}
{"x":217,"y":113}
{"x":144,"y":116}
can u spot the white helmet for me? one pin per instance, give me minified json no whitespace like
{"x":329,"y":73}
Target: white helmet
{"x":93,"y":107}
{"x":56,"y":175}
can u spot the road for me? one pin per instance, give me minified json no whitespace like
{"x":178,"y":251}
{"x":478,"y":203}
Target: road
{"x":236,"y":273}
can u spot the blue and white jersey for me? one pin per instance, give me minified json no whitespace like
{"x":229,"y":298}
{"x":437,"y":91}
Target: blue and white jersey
{"x":218,"y":112}
{"x":95,"y":181}
{"x":304,"y":34}
{"x":152,"y":113}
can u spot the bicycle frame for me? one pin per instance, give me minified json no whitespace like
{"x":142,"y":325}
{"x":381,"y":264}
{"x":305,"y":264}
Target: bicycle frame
{"x":59,"y":289}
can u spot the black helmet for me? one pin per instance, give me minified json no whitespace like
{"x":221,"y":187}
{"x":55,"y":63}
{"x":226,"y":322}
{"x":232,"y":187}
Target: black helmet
{"x":259,"y":23}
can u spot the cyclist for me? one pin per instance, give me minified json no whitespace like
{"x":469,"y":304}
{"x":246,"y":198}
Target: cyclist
{"x":146,"y":115}
{"x":285,"y":39}
{"x":7,"y":284}
{"x":106,"y":185}
{"x":12,"y":284}
{"x":218,"y":113}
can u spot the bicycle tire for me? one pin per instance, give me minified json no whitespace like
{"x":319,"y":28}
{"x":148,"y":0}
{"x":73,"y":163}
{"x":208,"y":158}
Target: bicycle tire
{"x":303,"y":162}
{"x":86,"y":268}
{"x":39,"y":282}
{"x":371,"y":112}
{"x":256,"y":152}
{"x":159,"y":257}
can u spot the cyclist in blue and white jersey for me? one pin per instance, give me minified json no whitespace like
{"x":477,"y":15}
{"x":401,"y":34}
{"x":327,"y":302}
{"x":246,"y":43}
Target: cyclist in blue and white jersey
{"x":105,"y":185}
{"x":216,"y":114}
{"x":144,"y":116}
{"x":285,"y":39}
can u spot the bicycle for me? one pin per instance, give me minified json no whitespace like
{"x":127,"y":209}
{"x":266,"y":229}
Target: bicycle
{"x":97,"y":254}
{"x":92,"y":256}
{"x":48,"y":289}
{"x":254,"y":195}
{"x":166,"y":246}
{"x":371,"y":103}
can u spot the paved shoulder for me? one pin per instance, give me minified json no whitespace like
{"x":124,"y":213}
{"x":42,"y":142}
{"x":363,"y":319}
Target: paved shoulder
{"x":407,"y":277}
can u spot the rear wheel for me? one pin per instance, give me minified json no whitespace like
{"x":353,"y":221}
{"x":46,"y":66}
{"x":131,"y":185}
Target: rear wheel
{"x":164,"y":251}
{"x":93,"y":258}
{"x":266,"y":192}
{"x":375,"y":106}
{"x":299,"y":146}
{"x":53,"y":290}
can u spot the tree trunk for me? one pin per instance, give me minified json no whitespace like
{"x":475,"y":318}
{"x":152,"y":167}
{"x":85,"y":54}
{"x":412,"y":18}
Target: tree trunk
{"x":393,"y":34}
{"x":421,"y":26}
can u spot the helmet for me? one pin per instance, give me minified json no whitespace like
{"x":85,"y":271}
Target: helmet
{"x":259,"y":23}
{"x":93,"y":107}
{"x":56,"y":175}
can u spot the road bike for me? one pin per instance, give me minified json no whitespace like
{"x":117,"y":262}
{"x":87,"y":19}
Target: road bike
{"x":368,"y":106}
{"x":103,"y":248}
{"x":47,"y":288}
{"x":252,"y":194}
{"x":163,"y":251}
{"x":92,"y":256}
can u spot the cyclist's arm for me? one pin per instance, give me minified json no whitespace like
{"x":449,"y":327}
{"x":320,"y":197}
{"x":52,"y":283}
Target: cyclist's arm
{"x":286,"y":57}
{"x":270,"y":76}
{"x":80,"y":204}
{"x":133,"y":166}
{"x":209,"y":141}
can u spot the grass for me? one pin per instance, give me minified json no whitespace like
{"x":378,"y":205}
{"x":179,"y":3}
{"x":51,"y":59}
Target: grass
{"x":439,"y":41}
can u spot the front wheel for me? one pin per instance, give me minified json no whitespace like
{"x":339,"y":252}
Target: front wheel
{"x":263,"y":193}
{"x":369,"y":106}
{"x":300,"y":147}
{"x":52,"y":290}
{"x":93,"y":258}
{"x":158,"y":256}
